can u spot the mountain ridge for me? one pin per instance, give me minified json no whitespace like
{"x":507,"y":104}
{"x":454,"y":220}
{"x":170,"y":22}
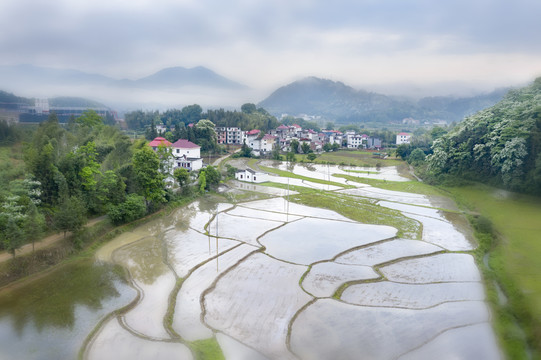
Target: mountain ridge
{"x":167,"y":78}
{"x":340,"y":102}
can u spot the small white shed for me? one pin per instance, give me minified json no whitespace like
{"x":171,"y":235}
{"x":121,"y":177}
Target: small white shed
{"x":250,"y":175}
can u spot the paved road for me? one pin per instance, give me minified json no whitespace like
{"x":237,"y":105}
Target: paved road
{"x":43,"y":243}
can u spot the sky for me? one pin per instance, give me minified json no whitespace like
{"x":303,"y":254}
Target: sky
{"x":264,"y":44}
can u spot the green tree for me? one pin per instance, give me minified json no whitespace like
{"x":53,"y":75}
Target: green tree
{"x":311,"y":156}
{"x":111,"y":188}
{"x":90,"y":119}
{"x":231,"y":171}
{"x":202,"y":181}
{"x":70,"y":215}
{"x":146,"y":167}
{"x":294,"y":146}
{"x":248,"y":108}
{"x":276,"y":151}
{"x":131,"y":209}
{"x":416,"y":157}
{"x":290,"y":156}
{"x":327,"y":147}
{"x":305,"y":147}
{"x":182,"y":176}
{"x":213,"y":177}
{"x":13,"y":236}
{"x":191,"y":114}
{"x":33,"y":225}
{"x":245,"y":150}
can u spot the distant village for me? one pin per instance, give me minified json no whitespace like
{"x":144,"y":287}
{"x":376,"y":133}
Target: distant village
{"x":187,"y":154}
{"x":283,"y":136}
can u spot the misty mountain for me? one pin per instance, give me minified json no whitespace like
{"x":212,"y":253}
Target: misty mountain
{"x":19,"y":76}
{"x":180,"y":76}
{"x":337,"y":101}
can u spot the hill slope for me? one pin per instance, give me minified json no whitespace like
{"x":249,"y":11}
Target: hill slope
{"x":176,"y":77}
{"x":501,"y":144}
{"x":337,"y":101}
{"x":180,"y":76}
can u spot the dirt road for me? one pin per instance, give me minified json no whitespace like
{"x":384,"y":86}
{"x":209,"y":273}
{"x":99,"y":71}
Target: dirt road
{"x":43,"y":243}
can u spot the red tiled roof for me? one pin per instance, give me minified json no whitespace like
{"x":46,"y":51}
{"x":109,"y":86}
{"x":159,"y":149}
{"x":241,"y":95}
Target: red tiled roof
{"x":282,"y":127}
{"x":297,"y":126}
{"x":268,"y":137}
{"x":403,"y":133}
{"x":253,"y":132}
{"x":159,"y":141}
{"x":185,"y":144}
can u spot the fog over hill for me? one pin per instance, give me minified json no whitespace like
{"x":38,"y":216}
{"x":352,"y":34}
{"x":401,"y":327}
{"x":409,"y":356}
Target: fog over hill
{"x":342,"y":103}
{"x":180,"y":86}
{"x":175,"y":86}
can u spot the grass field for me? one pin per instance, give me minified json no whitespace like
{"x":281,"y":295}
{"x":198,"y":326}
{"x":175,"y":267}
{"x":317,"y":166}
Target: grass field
{"x":289,"y":174}
{"x":405,"y":186}
{"x":516,"y":258}
{"x":351,"y":157}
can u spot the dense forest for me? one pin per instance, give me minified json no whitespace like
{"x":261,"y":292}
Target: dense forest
{"x":499,"y":145}
{"x":87,"y":168}
{"x":248,"y":118}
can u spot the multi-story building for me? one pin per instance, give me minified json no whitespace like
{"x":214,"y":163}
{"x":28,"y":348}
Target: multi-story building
{"x":229,"y":135}
{"x":403,"y":138}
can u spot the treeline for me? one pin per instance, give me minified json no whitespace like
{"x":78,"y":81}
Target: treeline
{"x":87,"y":168}
{"x":248,"y":118}
{"x":500,"y":145}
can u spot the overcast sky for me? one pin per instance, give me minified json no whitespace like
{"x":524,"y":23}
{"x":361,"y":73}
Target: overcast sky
{"x":267,"y":43}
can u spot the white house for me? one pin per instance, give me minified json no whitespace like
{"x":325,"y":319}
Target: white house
{"x":187,"y":155}
{"x":250,"y":175}
{"x":403,"y":138}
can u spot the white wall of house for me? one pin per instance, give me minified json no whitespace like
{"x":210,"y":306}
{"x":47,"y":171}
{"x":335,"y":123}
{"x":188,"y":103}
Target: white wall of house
{"x":403,"y":139}
{"x":188,"y":152}
{"x":250,"y":176}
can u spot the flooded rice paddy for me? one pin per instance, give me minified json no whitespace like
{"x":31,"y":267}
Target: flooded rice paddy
{"x":267,"y":279}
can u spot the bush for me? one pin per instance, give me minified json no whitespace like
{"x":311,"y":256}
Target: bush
{"x":132,"y":209}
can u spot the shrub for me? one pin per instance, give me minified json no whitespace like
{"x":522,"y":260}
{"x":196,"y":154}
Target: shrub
{"x":132,"y":209}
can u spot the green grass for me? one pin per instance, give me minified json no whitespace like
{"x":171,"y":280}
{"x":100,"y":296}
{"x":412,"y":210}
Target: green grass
{"x":405,"y":186}
{"x":355,"y":157}
{"x":362,"y":210}
{"x":514,"y":260}
{"x":289,"y":174}
{"x":208,"y":349}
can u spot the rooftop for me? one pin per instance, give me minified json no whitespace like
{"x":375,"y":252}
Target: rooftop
{"x":159,"y":141}
{"x":185,"y":144}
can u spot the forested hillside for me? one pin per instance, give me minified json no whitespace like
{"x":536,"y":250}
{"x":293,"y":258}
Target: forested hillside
{"x":500,"y":145}
{"x":344,"y":104}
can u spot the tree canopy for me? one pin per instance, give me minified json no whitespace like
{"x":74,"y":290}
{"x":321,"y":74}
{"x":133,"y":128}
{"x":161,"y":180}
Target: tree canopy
{"x":501,"y":144}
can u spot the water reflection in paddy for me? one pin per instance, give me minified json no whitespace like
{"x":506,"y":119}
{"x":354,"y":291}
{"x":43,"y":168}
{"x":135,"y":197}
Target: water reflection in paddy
{"x":50,"y":317}
{"x":309,"y":240}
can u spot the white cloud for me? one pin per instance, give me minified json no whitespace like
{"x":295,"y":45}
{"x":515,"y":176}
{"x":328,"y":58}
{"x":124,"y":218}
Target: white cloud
{"x":266,"y":43}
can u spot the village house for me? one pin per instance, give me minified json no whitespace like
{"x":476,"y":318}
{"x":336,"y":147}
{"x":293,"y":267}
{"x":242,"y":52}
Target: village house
{"x":403,"y":138}
{"x":187,"y":155}
{"x":229,"y":135}
{"x":250,"y":175}
{"x":159,"y":141}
